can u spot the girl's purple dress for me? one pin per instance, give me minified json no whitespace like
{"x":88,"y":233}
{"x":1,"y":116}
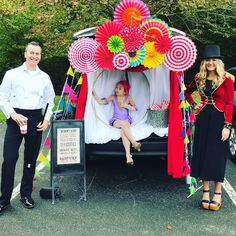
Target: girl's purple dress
{"x":120,"y":114}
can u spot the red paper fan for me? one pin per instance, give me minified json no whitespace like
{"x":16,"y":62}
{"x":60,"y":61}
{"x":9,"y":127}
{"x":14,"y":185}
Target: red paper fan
{"x":133,"y":38}
{"x":121,"y":61}
{"x":163,"y":44}
{"x":154,"y":28}
{"x":182,"y":55}
{"x":104,"y":58}
{"x":81,"y":55}
{"x":107,"y":30}
{"x":131,"y":12}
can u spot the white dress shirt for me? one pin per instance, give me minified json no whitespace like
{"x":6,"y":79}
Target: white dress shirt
{"x":27,"y":90}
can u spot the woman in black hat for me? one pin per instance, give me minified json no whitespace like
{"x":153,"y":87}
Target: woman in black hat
{"x":213,"y":124}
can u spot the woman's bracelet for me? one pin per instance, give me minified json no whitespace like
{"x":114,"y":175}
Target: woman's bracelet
{"x":227,"y":125}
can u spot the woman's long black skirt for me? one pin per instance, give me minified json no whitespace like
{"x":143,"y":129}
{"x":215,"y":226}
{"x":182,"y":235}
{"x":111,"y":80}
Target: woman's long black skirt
{"x":209,"y":152}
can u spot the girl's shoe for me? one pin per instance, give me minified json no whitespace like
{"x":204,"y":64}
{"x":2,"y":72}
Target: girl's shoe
{"x":129,"y":160}
{"x":205,"y":203}
{"x":214,"y":205}
{"x":137,"y":146}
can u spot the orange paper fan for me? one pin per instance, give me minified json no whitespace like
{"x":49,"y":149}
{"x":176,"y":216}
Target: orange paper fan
{"x":131,"y":12}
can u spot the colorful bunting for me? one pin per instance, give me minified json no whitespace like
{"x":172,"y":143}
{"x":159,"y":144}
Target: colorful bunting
{"x":37,"y":173}
{"x":42,"y":158}
{"x":72,"y":97}
{"x":80,"y":80}
{"x":69,"y":108}
{"x":186,"y":140}
{"x":70,"y":72}
{"x":181,"y":96}
{"x":68,"y":89}
{"x":47,"y":142}
{"x":62,"y":103}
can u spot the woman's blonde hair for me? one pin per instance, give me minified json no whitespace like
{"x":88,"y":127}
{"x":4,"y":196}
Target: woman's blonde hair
{"x":202,"y":75}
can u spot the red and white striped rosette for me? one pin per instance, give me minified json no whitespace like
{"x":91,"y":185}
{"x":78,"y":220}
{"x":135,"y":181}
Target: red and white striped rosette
{"x":121,"y":61}
{"x":81,"y":55}
{"x":182,"y":54}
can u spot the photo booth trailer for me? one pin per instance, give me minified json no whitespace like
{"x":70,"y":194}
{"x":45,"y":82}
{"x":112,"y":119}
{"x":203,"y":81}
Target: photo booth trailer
{"x":148,"y":87}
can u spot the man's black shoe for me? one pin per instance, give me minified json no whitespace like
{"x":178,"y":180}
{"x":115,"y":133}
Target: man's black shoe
{"x":27,"y":202}
{"x":3,"y":206}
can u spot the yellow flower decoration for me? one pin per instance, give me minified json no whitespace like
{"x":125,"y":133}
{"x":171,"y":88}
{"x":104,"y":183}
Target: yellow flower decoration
{"x":152,"y":58}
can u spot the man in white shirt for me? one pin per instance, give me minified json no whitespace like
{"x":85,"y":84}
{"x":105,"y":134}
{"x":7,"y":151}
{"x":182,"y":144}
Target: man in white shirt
{"x":24,"y":91}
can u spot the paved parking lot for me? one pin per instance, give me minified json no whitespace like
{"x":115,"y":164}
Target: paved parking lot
{"x":121,"y":200}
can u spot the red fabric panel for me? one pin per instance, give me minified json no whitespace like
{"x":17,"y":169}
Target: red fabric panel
{"x":175,"y":141}
{"x":80,"y":108}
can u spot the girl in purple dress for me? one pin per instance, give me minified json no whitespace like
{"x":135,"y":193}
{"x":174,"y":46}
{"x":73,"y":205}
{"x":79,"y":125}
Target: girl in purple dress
{"x":122,"y":103}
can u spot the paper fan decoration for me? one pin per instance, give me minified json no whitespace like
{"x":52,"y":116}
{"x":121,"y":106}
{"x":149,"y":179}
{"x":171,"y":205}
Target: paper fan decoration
{"x":115,"y":44}
{"x":104,"y":58}
{"x":152,"y":58}
{"x":137,"y":57}
{"x":182,"y":55}
{"x":133,"y":38}
{"x":154,"y":28}
{"x":81,"y":55}
{"x":131,"y":12}
{"x":106,"y":30}
{"x":121,"y":61}
{"x":163,"y":44}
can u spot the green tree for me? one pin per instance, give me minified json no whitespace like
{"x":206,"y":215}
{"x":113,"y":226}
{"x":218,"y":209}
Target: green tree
{"x":53,"y":23}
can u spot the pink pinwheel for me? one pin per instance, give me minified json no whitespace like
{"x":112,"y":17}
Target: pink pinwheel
{"x":121,"y":61}
{"x":81,"y":55}
{"x":182,"y":54}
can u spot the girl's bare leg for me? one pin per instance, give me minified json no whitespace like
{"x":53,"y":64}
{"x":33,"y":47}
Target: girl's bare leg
{"x":124,"y":126}
{"x":125,"y":141}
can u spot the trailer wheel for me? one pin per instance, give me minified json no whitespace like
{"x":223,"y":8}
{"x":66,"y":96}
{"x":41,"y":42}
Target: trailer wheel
{"x":232,"y":144}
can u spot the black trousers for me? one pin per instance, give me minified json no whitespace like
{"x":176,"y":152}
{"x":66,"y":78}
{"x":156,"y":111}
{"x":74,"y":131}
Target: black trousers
{"x":12,"y":142}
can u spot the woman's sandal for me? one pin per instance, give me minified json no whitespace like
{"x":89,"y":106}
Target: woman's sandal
{"x":137,"y":146}
{"x":129,"y":160}
{"x":206,"y":203}
{"x":214,"y":205}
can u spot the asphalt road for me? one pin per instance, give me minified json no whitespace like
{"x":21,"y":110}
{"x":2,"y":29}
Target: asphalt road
{"x":121,"y":200}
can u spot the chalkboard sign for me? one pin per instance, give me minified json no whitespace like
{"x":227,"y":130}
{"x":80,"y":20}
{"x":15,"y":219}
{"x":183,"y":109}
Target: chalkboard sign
{"x":68,"y":148}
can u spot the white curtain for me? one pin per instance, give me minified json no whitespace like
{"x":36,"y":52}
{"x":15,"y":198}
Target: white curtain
{"x":147,"y":88}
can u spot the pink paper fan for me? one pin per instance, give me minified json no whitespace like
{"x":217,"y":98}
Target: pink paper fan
{"x":104,"y":58}
{"x":121,"y":61}
{"x":107,"y":30}
{"x":81,"y":55}
{"x":154,"y":28}
{"x":163,"y":44}
{"x":131,"y":12}
{"x":182,"y":54}
{"x":133,"y":38}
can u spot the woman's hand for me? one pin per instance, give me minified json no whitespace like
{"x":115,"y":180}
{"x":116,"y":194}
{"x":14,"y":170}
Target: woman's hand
{"x":197,"y":106}
{"x":225,"y":134}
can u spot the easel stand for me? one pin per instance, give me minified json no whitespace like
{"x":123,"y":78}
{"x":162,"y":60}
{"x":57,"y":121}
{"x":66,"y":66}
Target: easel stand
{"x":68,"y":153}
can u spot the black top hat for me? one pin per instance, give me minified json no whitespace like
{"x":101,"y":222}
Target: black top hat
{"x":212,"y":51}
